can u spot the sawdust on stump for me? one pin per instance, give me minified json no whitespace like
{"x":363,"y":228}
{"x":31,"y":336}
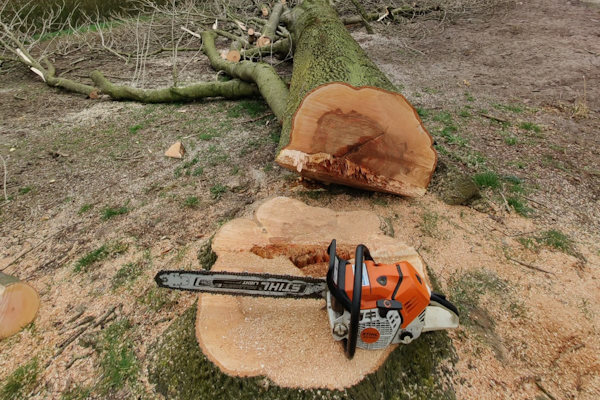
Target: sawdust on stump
{"x":289,"y":341}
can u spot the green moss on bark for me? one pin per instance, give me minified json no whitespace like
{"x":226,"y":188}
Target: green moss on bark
{"x":421,"y":370}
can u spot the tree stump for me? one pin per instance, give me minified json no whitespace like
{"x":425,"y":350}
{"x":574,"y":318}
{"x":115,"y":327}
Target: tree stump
{"x":19,"y":304}
{"x":289,"y":341}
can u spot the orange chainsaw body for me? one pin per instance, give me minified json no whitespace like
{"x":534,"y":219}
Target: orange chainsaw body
{"x":399,"y":282}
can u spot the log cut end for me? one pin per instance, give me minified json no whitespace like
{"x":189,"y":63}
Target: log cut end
{"x":364,"y":137}
{"x":19,"y":304}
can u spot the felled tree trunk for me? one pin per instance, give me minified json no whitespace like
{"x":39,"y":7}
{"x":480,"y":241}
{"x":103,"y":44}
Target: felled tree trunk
{"x":345,"y":122}
{"x":19,"y":304}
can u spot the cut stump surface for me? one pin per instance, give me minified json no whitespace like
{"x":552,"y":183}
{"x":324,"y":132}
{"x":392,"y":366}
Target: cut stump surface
{"x":364,"y":137}
{"x":19,"y":304}
{"x":289,"y":341}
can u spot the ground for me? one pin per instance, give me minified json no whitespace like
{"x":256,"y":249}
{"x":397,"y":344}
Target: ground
{"x":513,"y":101}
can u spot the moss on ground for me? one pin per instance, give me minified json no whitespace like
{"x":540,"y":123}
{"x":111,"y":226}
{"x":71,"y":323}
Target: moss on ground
{"x":421,"y":370}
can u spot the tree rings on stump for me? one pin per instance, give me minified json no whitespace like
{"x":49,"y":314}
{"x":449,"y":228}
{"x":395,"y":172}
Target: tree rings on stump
{"x":289,"y":341}
{"x":364,"y":137}
{"x":19,"y":304}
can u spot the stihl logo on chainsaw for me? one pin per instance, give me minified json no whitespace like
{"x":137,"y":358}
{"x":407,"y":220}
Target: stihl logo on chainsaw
{"x":264,"y":286}
{"x":282,"y":287}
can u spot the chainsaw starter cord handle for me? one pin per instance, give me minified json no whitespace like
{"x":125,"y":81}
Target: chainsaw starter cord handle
{"x":356,"y":297}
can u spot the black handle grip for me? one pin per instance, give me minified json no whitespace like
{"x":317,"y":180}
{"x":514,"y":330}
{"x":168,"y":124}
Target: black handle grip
{"x":356,"y":297}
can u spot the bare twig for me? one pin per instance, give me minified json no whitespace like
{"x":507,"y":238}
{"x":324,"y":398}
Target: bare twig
{"x":530,"y":266}
{"x":538,"y":383}
{"x":497,"y":119}
{"x":5,"y":175}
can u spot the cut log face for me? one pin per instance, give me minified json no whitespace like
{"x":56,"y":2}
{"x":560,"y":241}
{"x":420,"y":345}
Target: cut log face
{"x":364,"y":137}
{"x":19,"y":304}
{"x":289,"y":341}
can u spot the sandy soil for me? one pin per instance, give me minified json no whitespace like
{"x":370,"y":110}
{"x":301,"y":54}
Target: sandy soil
{"x":530,"y":334}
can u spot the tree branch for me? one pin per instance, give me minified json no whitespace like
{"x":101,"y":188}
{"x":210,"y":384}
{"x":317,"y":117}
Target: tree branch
{"x":272,"y":88}
{"x":363,"y":16}
{"x":268,"y":32}
{"x":231,"y":89}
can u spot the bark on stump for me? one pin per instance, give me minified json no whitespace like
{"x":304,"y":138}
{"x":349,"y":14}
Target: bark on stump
{"x":19,"y":304}
{"x":345,"y":121}
{"x":289,"y":341}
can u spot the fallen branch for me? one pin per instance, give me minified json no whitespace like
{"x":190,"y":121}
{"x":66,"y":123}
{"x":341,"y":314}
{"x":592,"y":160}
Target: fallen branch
{"x":406,"y":12}
{"x":279,"y":47}
{"x":530,"y":266}
{"x":5,"y":175}
{"x":497,"y":119}
{"x":363,"y":16}
{"x":232,"y":89}
{"x":268,"y":32}
{"x":271,"y":86}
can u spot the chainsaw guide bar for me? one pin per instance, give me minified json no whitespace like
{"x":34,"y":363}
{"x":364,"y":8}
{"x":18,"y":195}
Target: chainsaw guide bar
{"x":244,"y":284}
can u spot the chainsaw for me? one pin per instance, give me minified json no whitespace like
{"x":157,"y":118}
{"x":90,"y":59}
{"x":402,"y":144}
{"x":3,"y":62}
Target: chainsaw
{"x":369,"y":307}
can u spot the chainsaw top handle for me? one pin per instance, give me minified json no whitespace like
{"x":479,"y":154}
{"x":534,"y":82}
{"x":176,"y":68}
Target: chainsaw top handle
{"x":337,"y":266}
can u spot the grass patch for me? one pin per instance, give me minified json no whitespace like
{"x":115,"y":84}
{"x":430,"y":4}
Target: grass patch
{"x":101,"y":253}
{"x":487,"y":179}
{"x":514,"y":108}
{"x":156,"y":298}
{"x":118,"y":362}
{"x":134,"y":128}
{"x":252,"y":108}
{"x":129,"y":272}
{"x":77,"y":393}
{"x":519,"y":206}
{"x":22,"y":381}
{"x":444,"y":117}
{"x":109,"y":212}
{"x":25,"y":190}
{"x":469,"y":97}
{"x":466,"y":291}
{"x":85,"y":208}
{"x":557,"y":240}
{"x":423,"y":113}
{"x":191,"y":202}
{"x":217,"y":191}
{"x":429,"y":225}
{"x":530,"y":126}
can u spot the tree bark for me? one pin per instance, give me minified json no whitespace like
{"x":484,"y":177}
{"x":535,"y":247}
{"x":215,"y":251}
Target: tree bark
{"x":344,"y":121}
{"x":19,"y":304}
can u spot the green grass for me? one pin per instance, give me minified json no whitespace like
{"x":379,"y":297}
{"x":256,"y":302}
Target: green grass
{"x":487,"y":179}
{"x":156,"y":298}
{"x":135,"y":128}
{"x":129,"y":272}
{"x":85,"y":208}
{"x":23,"y":380}
{"x":118,"y":363}
{"x":197,"y":171}
{"x":469,"y":97}
{"x":423,"y":113}
{"x":557,"y":240}
{"x":530,"y":126}
{"x":514,"y":108}
{"x":25,"y":190}
{"x":444,"y":117}
{"x":467,"y":289}
{"x":101,"y":253}
{"x":216,"y":155}
{"x":191,"y":202}
{"x":77,"y":393}
{"x":252,"y":108}
{"x":519,"y":206}
{"x":85,"y":262}
{"x":429,"y":225}
{"x":217,"y":191}
{"x":109,"y":212}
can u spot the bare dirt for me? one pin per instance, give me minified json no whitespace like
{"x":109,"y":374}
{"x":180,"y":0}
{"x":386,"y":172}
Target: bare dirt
{"x":525,"y":333}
